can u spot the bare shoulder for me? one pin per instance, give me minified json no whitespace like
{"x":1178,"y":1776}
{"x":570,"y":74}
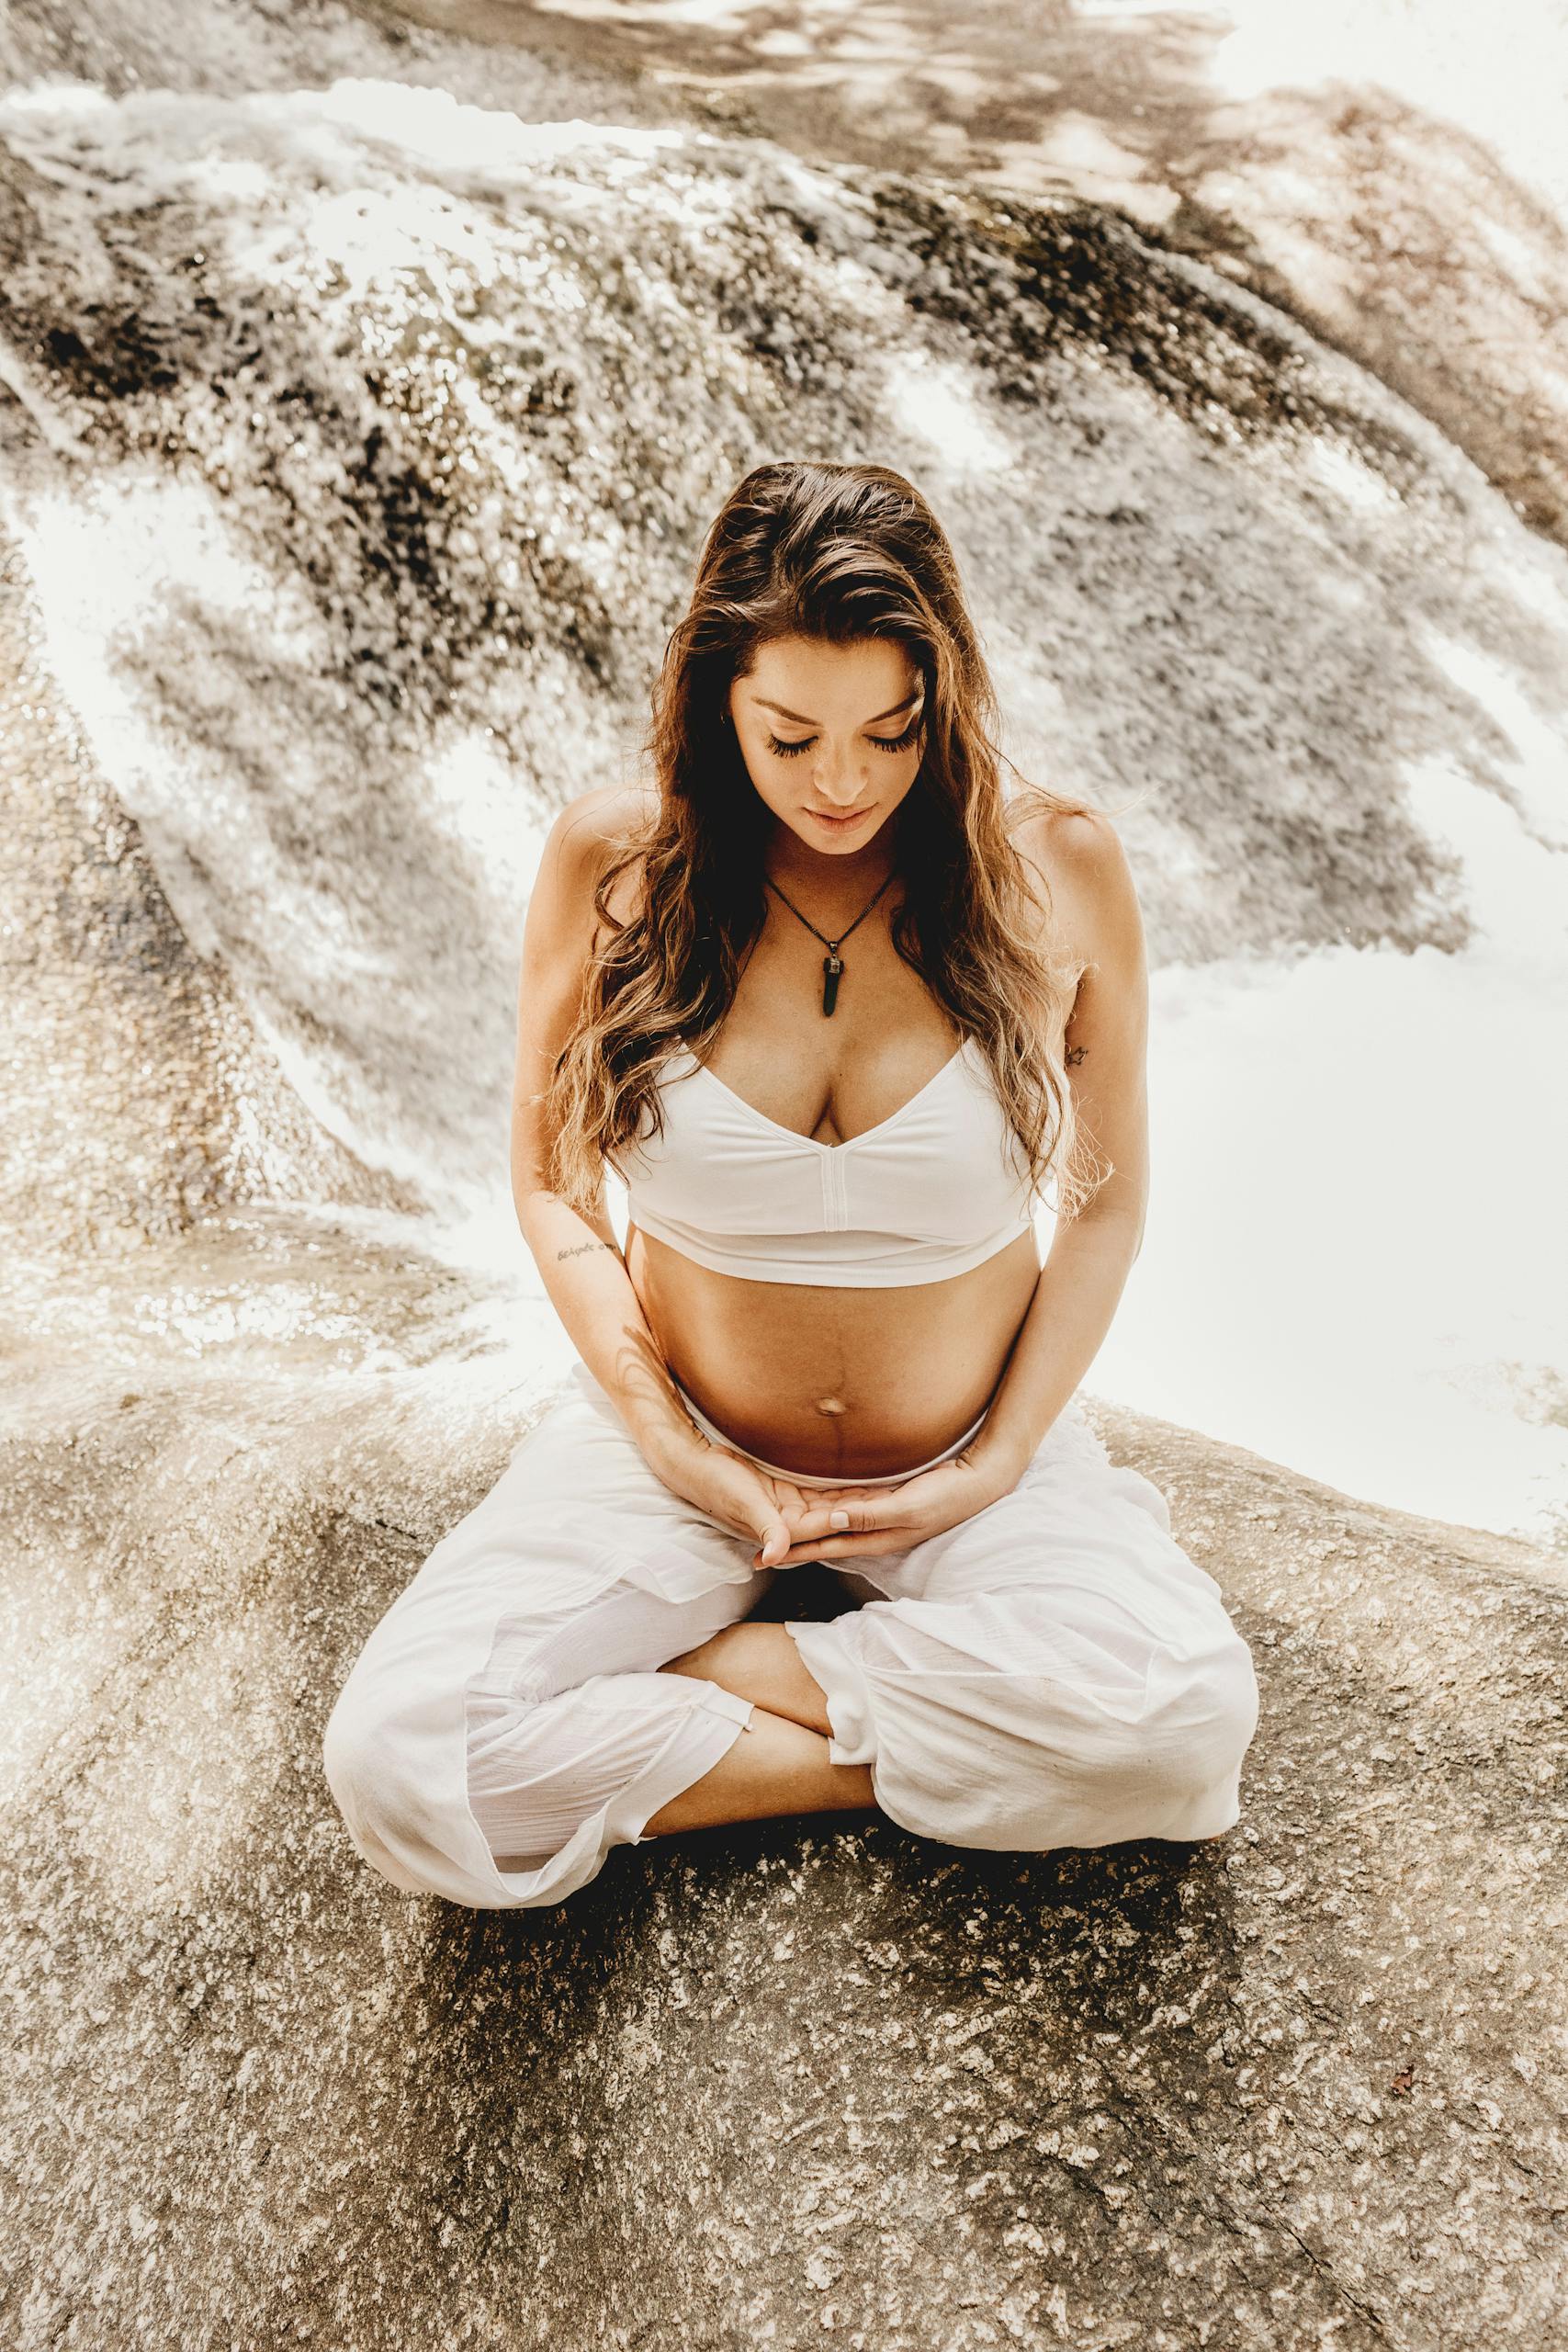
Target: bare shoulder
{"x":586,"y":836}
{"x":1094,"y":899}
{"x":589,"y":827}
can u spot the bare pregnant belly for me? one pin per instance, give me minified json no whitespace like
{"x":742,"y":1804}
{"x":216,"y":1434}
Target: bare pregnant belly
{"x":849,"y":1384}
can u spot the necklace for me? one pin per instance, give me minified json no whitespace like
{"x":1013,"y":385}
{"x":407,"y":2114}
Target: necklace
{"x":832,"y":962}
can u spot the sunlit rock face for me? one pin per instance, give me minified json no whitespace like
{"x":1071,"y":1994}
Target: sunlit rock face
{"x":138,"y":1099}
{"x":358,"y":443}
{"x":355,"y":449}
{"x":362,"y":442}
{"x":801,"y":2078}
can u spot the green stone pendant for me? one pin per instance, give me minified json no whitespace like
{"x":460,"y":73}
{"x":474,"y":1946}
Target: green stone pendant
{"x":831,"y":967}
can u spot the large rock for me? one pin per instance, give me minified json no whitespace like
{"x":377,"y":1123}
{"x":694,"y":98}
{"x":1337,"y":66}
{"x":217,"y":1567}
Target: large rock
{"x":813,"y":2079}
{"x":816,"y":2078}
{"x":138,"y":1096}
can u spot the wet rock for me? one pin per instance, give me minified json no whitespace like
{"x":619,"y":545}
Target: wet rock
{"x":801,"y":2080}
{"x":1300,"y":2086}
{"x":457,"y":442}
{"x":138,"y":1096}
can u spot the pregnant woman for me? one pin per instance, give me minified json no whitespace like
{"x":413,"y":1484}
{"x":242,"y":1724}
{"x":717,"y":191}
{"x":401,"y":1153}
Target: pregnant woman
{"x":839,"y":1011}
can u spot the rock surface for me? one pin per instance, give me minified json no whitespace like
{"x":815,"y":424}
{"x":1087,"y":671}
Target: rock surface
{"x":811,"y":2080}
{"x":1408,"y":220}
{"x":773,"y":2086}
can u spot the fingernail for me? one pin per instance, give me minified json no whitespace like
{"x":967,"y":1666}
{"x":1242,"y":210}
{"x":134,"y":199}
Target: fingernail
{"x":838,"y":1518}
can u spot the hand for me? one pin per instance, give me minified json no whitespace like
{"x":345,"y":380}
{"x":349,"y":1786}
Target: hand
{"x":894,"y":1518}
{"x":786,"y":1521}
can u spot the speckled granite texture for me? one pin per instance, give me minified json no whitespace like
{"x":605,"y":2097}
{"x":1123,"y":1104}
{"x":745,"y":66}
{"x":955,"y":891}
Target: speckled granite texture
{"x":810,"y":2083}
{"x":795,"y":2083}
{"x":804,"y":2082}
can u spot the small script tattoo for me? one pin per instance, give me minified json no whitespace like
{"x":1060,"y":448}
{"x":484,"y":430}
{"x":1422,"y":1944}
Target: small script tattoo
{"x":579,"y":1249}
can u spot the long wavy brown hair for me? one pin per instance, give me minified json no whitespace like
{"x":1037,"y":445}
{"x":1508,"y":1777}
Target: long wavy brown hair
{"x":841,"y":552}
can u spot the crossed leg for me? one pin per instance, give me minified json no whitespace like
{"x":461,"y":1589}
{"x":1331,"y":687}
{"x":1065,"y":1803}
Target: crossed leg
{"x":576,"y":1666}
{"x":785,"y":1767}
{"x":1054,"y":1670}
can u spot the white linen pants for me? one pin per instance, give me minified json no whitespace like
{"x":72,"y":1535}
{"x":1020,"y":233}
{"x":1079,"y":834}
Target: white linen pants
{"x":1052,"y":1671}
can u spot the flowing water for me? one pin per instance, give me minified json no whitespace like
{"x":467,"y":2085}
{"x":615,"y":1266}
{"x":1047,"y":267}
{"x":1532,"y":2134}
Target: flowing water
{"x":363,"y":401}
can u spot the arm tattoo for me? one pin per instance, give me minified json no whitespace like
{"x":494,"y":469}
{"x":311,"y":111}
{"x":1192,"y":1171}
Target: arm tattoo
{"x":579,"y":1249}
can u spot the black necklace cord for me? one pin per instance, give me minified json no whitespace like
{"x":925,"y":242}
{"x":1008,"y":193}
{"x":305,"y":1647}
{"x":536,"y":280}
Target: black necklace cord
{"x":832,"y":962}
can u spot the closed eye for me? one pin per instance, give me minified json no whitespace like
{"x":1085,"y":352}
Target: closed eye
{"x":883,"y":742}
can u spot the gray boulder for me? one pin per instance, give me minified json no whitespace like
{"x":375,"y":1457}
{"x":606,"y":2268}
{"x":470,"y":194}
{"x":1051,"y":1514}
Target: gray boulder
{"x":799,"y":2081}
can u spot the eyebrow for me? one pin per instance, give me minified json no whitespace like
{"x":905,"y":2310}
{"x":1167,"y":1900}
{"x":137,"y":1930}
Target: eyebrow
{"x":799,"y":721}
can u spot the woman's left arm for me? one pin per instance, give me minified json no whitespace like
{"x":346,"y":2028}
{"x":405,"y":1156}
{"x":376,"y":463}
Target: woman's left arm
{"x":1095,"y":906}
{"x":1106,"y":1048}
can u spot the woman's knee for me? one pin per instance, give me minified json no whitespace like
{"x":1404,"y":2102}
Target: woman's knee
{"x":526,"y":1773}
{"x":1209,"y":1715}
{"x":1036,"y":1763}
{"x":359,"y":1757}
{"x":1175,"y":1773}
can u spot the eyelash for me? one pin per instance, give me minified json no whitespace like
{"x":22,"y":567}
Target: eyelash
{"x":883,"y":742}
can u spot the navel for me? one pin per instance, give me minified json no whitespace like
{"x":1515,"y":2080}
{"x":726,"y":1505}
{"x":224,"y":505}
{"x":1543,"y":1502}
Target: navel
{"x":832,"y":1405}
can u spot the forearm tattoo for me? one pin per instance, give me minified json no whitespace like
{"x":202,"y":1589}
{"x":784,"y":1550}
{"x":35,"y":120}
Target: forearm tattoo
{"x":579,"y":1249}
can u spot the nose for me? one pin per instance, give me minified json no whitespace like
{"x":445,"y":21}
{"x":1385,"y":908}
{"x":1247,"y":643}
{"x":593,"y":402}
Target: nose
{"x":840,"y":778}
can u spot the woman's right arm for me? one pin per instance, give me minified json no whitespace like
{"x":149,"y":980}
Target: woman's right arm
{"x":578,"y":1260}
{"x":581,"y":1265}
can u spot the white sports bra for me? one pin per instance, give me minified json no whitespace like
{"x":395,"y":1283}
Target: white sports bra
{"x":938,"y":1187}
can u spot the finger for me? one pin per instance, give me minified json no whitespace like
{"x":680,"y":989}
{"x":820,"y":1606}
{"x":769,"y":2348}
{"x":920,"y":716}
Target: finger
{"x":837,"y":1515}
{"x":774,"y":1536}
{"x":838,"y":1548}
{"x":803,"y":1511}
{"x":788,"y":1500}
{"x":757,"y":1514}
{"x":796,"y":1506}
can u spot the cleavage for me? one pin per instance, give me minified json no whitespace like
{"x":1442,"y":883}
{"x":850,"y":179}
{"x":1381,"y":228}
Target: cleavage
{"x":909,"y":1095}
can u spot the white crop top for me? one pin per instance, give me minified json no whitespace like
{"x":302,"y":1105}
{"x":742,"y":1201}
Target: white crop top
{"x":938,"y":1187}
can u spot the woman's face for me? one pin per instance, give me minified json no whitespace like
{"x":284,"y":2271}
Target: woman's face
{"x":830,"y":731}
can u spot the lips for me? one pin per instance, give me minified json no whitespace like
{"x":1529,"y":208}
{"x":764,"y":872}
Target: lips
{"x":844,"y":816}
